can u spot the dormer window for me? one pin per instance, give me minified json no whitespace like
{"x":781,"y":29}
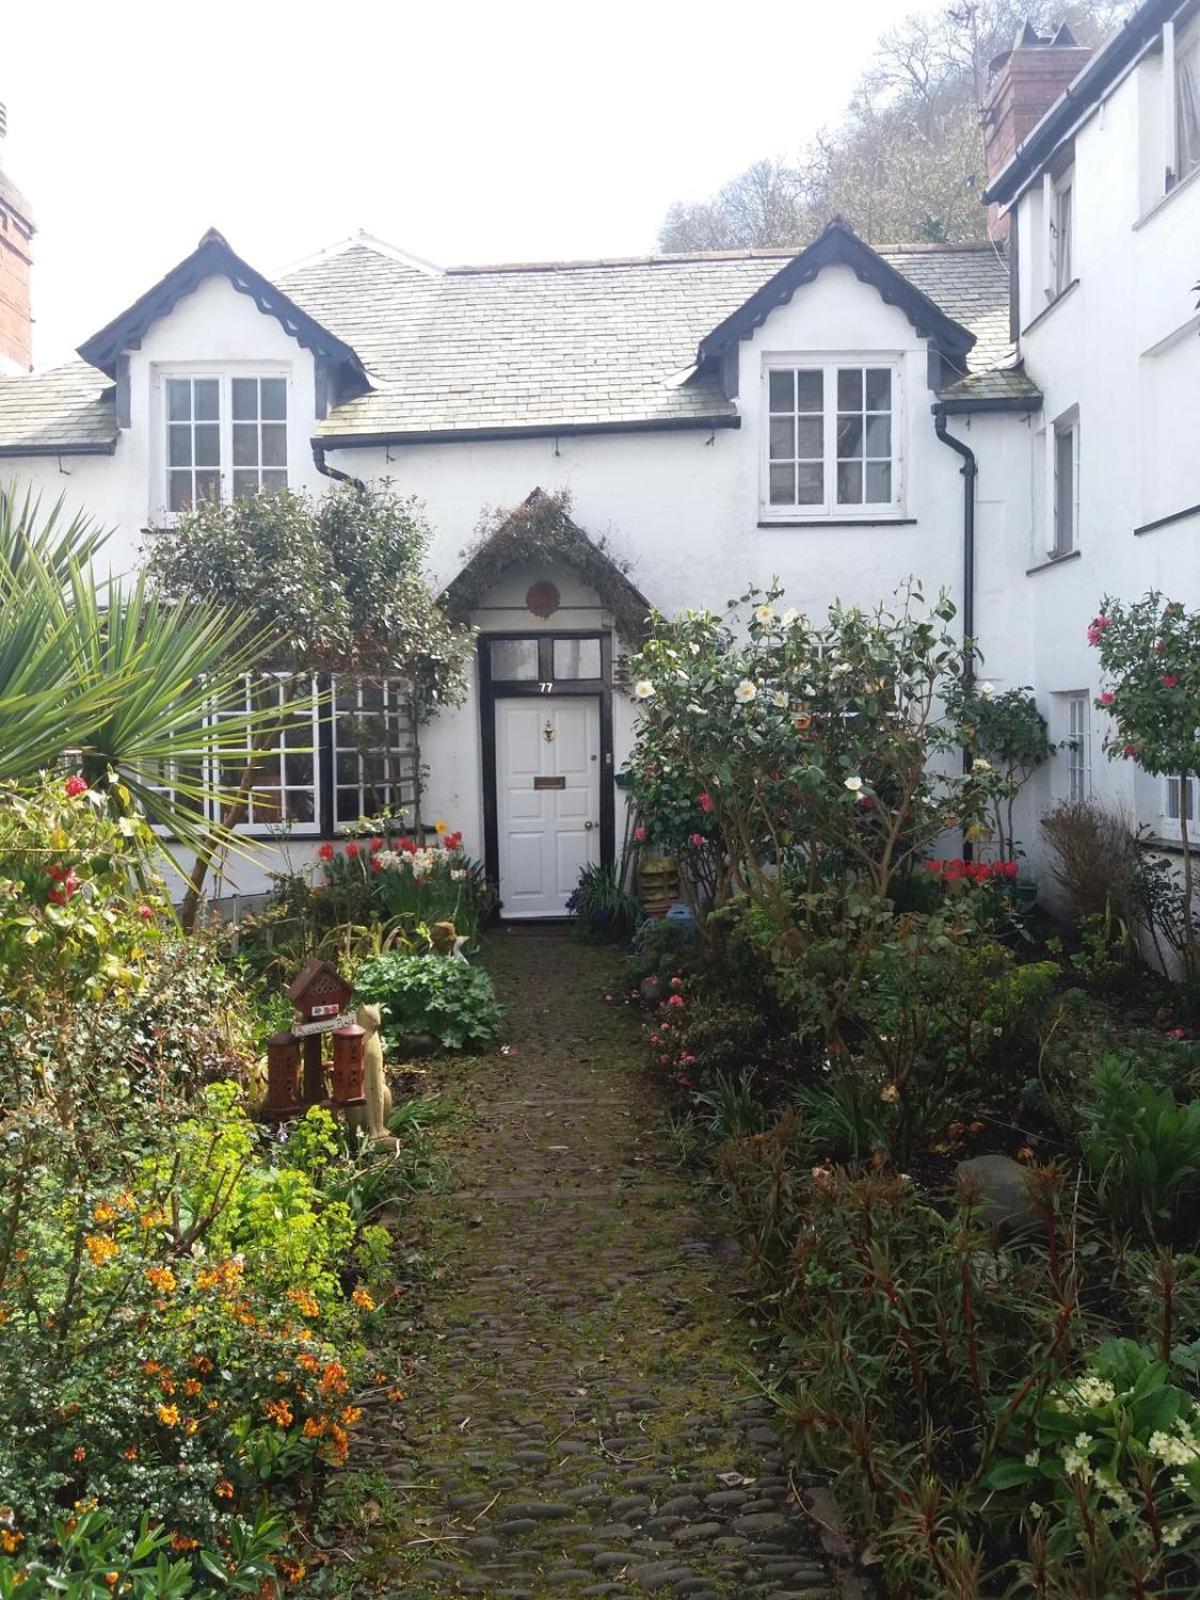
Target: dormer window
{"x":830,"y":439}
{"x":225,"y":436}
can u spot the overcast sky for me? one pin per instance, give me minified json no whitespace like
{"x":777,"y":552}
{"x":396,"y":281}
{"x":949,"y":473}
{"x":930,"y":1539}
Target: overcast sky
{"x":468,"y":131}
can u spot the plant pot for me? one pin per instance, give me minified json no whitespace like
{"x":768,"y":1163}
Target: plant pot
{"x":658,"y":884}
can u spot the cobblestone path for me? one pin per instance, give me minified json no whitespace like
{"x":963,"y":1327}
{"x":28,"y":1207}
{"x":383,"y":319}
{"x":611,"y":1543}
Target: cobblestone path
{"x":581,"y":1421}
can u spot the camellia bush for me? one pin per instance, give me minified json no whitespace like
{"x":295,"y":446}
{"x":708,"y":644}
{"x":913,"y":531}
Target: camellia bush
{"x":1150,"y":652}
{"x":827,"y":758}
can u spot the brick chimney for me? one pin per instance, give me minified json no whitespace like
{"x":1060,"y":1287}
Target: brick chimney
{"x":16,"y":231}
{"x":1025,"y":83}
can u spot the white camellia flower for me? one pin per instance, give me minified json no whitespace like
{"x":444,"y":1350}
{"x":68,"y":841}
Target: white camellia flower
{"x":694,"y":648}
{"x":987,"y":690}
{"x":643,"y":689}
{"x":745,"y":692}
{"x":854,"y":784}
{"x":790,"y":617}
{"x":778,"y":698}
{"x":764,"y":614}
{"x":980,"y":765}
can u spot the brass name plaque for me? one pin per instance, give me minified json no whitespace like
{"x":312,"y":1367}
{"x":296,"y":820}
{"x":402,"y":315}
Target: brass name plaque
{"x":549,"y":783}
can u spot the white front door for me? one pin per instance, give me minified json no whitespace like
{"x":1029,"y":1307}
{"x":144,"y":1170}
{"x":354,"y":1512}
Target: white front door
{"x":547,"y":800}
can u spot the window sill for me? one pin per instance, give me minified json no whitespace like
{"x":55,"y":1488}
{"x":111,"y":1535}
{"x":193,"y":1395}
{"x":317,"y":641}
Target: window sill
{"x":1165,"y":200}
{"x":1050,"y":306}
{"x":838,"y":522}
{"x":1165,"y":522}
{"x":1054,"y":561}
{"x":1162,"y":844}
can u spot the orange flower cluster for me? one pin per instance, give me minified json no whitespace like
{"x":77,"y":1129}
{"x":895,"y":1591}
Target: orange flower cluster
{"x":162,"y":1279}
{"x":279,"y":1412}
{"x":101,"y":1248}
{"x":362,"y":1299}
{"x":305,"y":1302}
{"x":226,"y":1275}
{"x":168,"y":1415}
{"x":9,"y":1540}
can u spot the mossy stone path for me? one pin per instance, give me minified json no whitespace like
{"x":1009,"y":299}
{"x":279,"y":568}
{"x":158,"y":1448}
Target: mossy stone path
{"x":578,"y":1422}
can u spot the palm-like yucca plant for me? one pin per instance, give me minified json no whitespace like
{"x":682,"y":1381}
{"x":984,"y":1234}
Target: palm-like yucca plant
{"x":122,"y":681}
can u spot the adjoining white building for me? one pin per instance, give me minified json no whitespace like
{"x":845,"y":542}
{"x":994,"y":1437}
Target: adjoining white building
{"x":1017,"y":422}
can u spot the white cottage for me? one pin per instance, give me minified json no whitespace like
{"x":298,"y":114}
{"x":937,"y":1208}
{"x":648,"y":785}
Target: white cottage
{"x":1011,"y":421}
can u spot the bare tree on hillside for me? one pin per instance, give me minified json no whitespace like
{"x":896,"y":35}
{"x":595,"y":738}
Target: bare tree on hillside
{"x":906,"y":163}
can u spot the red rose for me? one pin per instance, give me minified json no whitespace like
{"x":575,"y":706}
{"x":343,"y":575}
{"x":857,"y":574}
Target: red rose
{"x":698,"y":840}
{"x":352,"y":849}
{"x":639,"y":833}
{"x":933,"y":866}
{"x":325,"y":851}
{"x":675,"y":1000}
{"x":75,"y":785}
{"x":1170,"y":681}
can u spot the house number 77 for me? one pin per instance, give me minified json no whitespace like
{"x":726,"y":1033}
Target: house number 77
{"x":545,"y":688}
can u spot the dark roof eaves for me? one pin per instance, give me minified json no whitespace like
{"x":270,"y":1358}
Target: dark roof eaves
{"x":86,"y":447}
{"x":534,"y":430}
{"x":213,"y":257}
{"x":838,"y":245}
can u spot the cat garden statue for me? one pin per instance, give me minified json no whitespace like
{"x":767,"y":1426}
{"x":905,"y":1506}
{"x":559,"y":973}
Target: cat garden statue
{"x":373,"y":1116}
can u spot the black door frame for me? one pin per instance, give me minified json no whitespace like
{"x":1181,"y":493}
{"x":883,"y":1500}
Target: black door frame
{"x":545,"y":684}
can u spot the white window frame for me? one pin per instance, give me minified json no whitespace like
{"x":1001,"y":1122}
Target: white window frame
{"x":1061,"y":272}
{"x":224,"y":372}
{"x":829,"y":508}
{"x":1066,"y":427}
{"x":399,"y":697}
{"x":1180,"y":46}
{"x":307,"y":686}
{"x":1170,"y":802}
{"x":1079,"y":747}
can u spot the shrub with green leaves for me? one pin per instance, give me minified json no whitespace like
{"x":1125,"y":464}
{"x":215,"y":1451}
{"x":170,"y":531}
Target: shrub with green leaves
{"x":1141,"y":1146}
{"x":448,"y":1000}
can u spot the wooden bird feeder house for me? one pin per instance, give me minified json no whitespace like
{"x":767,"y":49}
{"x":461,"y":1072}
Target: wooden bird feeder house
{"x":320,"y":996}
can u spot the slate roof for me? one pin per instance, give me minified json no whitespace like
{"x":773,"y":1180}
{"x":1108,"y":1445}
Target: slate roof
{"x":521,"y":348}
{"x":68,"y":408}
{"x":576,"y":344}
{"x":1002,"y":389}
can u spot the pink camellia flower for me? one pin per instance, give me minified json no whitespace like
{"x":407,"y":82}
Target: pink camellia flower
{"x":677,"y":982}
{"x":675,"y":1000}
{"x":1096,"y":630}
{"x":640,"y":834}
{"x":1107,"y":698}
{"x":698,"y":840}
{"x":1129,"y":750}
{"x":145,"y":913}
{"x":1176,"y":1033}
{"x":706,"y":802}
{"x":1160,"y":647}
{"x":1170,"y":681}
{"x":75,"y":785}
